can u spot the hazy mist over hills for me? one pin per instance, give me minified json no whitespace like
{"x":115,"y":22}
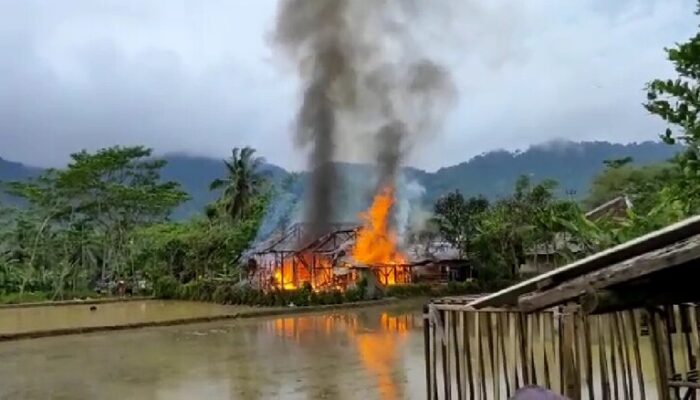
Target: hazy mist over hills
{"x":492,"y":174}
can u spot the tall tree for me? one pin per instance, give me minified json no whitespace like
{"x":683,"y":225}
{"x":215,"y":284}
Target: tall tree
{"x":457,"y":218}
{"x":242,"y":184}
{"x":80,"y":218}
{"x":677,"y":101}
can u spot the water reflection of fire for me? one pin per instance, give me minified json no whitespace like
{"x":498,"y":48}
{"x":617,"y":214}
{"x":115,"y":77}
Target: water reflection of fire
{"x":378,"y":343}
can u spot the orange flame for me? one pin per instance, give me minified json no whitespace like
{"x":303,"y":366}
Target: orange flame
{"x":376,"y":243}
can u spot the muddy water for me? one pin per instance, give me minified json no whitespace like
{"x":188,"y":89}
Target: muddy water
{"x":372,"y":353}
{"x":14,"y":320}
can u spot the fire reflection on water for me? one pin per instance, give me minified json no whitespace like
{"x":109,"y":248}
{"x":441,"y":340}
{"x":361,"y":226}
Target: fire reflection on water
{"x":377,"y":342}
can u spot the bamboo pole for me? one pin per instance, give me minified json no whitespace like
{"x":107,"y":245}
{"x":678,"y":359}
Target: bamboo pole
{"x":589,"y":355}
{"x":426,"y":348}
{"x":625,"y":385}
{"x":613,"y":360}
{"x":482,"y":355}
{"x":433,"y":326}
{"x":543,"y":339}
{"x":694,"y":337}
{"x":494,"y":351}
{"x":455,"y":344}
{"x":572,"y":387}
{"x":525,"y":361}
{"x":479,"y":357}
{"x":445,"y":340}
{"x":514,"y":348}
{"x":637,"y":354}
{"x":503,"y":326}
{"x":468,"y":354}
{"x":684,"y":362}
{"x":624,"y":355}
{"x":660,"y":364}
{"x":602,"y":356}
{"x":531,"y":349}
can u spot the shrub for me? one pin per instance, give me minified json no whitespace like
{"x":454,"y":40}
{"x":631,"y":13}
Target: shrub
{"x":166,"y":287}
{"x":223,"y":294}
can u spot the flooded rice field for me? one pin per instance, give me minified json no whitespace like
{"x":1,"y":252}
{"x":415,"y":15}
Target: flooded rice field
{"x":17,"y":320}
{"x":370,"y":353}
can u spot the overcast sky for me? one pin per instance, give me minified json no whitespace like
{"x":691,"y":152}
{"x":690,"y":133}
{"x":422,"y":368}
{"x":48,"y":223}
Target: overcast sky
{"x":200,"y":76}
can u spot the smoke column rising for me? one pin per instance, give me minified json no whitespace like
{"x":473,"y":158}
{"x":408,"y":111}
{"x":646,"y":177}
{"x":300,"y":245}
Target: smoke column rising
{"x":364,"y":76}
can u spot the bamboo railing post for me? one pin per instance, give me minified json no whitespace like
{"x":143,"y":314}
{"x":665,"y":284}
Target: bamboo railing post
{"x":682,"y":341}
{"x":503,"y":322}
{"x":694,"y":337}
{"x":531,"y":349}
{"x":548,"y":366}
{"x":493,"y":354}
{"x":524,"y":359}
{"x":572,"y":386}
{"x":513,"y":333}
{"x":445,"y":341}
{"x":589,"y":356}
{"x":426,"y":348}
{"x":480,"y":375}
{"x":637,"y":353}
{"x":626,"y":384}
{"x":458,"y":367}
{"x":613,"y":360}
{"x":468,"y":355}
{"x":602,"y":357}
{"x":495,"y":350}
{"x":433,"y":327}
{"x":658,"y":350}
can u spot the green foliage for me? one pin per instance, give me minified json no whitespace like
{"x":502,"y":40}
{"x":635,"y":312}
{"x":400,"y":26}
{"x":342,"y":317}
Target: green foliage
{"x":105,"y":218}
{"x":641,"y":184}
{"x":677,"y":101}
{"x":457,"y":218}
{"x":166,"y":287}
{"x":242,"y":185}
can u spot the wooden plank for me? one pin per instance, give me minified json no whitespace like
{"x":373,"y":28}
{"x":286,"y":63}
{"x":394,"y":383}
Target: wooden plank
{"x":646,"y":243}
{"x":634,"y":268}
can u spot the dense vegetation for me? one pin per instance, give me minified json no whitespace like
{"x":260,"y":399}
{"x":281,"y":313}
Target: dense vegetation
{"x":107,"y":216}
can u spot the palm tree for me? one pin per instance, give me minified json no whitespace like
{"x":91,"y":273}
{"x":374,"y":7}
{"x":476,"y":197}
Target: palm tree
{"x":242,"y":183}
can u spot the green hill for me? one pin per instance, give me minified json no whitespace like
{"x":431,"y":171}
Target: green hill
{"x":493,"y":174}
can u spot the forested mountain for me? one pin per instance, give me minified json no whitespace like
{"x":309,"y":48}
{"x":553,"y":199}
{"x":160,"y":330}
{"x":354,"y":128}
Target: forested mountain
{"x":572,"y":164}
{"x":492,"y":174}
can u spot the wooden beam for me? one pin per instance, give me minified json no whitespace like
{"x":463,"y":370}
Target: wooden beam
{"x":658,"y":260}
{"x":632,"y":248}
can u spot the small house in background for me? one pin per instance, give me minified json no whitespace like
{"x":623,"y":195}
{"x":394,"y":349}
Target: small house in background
{"x":547,"y":256}
{"x":438,"y":261}
{"x":616,"y":208}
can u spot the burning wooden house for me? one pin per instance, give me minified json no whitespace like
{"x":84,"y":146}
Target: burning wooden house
{"x":346,"y":253}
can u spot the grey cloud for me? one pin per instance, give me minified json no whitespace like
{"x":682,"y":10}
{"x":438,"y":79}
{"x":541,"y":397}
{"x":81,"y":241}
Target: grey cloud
{"x":200,"y":76}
